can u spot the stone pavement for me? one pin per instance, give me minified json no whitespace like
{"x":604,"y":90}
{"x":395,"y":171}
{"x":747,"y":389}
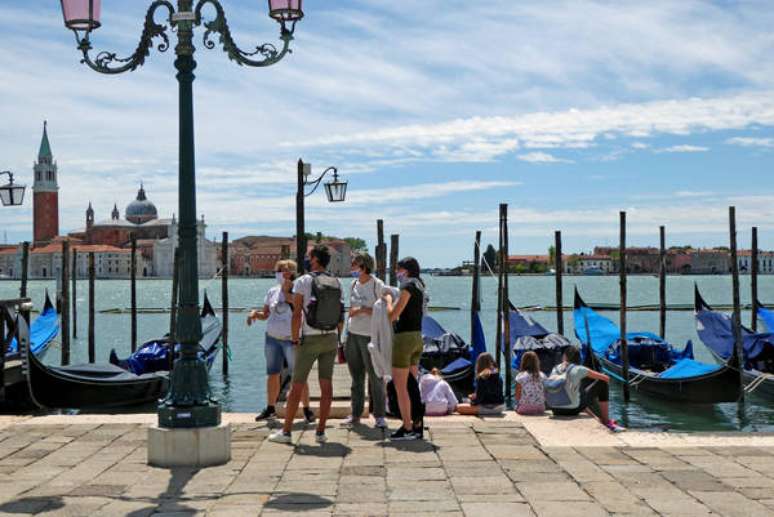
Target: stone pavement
{"x":95,"y":465}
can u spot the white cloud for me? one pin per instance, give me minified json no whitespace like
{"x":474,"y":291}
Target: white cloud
{"x":683,"y":149}
{"x":541,"y":157}
{"x":640,"y":145}
{"x":747,"y":141}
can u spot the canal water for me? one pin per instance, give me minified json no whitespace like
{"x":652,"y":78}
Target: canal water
{"x":244,"y":389}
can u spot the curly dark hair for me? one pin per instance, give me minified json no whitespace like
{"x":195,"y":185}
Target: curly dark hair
{"x":322,"y":254}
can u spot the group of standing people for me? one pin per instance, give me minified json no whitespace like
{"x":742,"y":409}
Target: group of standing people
{"x":305,"y":322}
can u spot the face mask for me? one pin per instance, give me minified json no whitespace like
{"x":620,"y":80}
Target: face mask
{"x":355,"y":274}
{"x":280,"y":277}
{"x":402,"y":277}
{"x":307,"y":265}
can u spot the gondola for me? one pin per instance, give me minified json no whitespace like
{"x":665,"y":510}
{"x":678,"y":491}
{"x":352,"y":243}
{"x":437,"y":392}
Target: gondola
{"x":88,"y":386}
{"x":656,"y":368}
{"x":529,"y":335}
{"x":153,"y":356}
{"x":716,"y":331}
{"x":449,"y":353}
{"x":42,"y":331}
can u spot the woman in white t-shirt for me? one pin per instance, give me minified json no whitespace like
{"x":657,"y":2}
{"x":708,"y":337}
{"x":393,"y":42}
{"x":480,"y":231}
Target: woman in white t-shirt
{"x":278,"y":313}
{"x":364,"y":291}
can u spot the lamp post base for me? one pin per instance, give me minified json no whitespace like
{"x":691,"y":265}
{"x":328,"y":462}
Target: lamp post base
{"x":173,"y":417}
{"x":196,"y":447}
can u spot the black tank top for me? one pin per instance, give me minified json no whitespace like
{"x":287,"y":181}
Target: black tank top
{"x":411,"y":318}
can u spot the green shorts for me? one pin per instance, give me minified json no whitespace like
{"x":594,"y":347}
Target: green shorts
{"x":320,"y":348}
{"x":406,"y":349}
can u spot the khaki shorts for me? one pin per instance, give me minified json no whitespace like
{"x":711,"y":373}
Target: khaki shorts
{"x":320,"y":348}
{"x":407,"y":348}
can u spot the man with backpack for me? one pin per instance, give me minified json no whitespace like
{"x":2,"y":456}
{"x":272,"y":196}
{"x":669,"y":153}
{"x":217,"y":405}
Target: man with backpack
{"x":318,"y":315}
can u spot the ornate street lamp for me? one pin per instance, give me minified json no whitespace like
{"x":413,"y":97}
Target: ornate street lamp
{"x":335,"y":190}
{"x":189,"y":402}
{"x":11,"y":194}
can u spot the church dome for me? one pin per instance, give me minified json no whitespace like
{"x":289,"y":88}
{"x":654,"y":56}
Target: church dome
{"x":141,"y":210}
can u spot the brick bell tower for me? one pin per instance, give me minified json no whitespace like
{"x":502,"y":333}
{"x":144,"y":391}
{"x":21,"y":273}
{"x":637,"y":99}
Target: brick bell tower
{"x":45,"y":209}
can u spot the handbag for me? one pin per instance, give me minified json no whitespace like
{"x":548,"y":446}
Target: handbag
{"x":556,"y":390}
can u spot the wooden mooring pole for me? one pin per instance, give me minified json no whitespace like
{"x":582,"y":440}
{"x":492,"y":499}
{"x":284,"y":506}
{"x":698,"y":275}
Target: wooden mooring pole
{"x":558,"y":274}
{"x":133,"y":291}
{"x":500,"y":301}
{"x":224,"y":300}
{"x":394,"y":241}
{"x":737,"y":315}
{"x":75,"y":293}
{"x":381,"y":252}
{"x":622,"y":281}
{"x":25,"y":273}
{"x":662,"y":267}
{"x":754,"y":279}
{"x":506,"y":314}
{"x":475,"y":302}
{"x":92,"y":278}
{"x":65,"y":304}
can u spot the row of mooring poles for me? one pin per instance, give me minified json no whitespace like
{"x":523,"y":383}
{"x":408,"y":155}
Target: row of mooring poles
{"x":386,"y":271}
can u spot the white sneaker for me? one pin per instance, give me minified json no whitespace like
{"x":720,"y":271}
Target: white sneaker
{"x":280,"y":436}
{"x":351,"y":420}
{"x":381,"y":423}
{"x":320,"y":437}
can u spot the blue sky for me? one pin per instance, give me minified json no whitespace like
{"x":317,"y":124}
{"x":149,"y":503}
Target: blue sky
{"x":435,"y":111}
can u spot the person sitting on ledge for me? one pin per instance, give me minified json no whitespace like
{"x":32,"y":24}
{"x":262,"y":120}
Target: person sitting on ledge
{"x":586,"y":390}
{"x":437,"y":395}
{"x":529,"y":393}
{"x":488,"y":398}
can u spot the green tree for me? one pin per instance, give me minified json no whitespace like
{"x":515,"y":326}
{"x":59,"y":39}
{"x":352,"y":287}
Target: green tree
{"x":356,"y":243}
{"x":552,"y":254}
{"x":490,"y":256}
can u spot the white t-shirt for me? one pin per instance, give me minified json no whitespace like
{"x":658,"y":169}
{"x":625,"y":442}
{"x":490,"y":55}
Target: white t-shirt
{"x":303,"y":286}
{"x":363,"y":296}
{"x":280,"y":313}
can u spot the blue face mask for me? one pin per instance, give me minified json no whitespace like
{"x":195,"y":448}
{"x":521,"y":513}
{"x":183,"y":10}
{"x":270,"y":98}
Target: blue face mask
{"x":355,"y":274}
{"x":307,"y":265}
{"x":401,"y":276}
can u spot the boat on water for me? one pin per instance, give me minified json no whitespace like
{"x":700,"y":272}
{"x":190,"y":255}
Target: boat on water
{"x":766,"y":315}
{"x":153,"y":355}
{"x":716,"y":331}
{"x":656,"y":368}
{"x":453,"y":357}
{"x":89,"y":386}
{"x":43,"y":331}
{"x":529,"y":335}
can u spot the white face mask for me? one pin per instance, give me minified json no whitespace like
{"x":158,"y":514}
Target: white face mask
{"x":280,"y":277}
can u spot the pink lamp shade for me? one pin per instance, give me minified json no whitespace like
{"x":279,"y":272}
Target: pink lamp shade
{"x":286,"y":10}
{"x":81,"y":15}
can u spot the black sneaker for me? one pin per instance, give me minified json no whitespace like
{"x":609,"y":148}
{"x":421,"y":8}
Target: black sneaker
{"x":401,"y":435}
{"x":266,"y":414}
{"x":419,"y":432}
{"x":309,"y":416}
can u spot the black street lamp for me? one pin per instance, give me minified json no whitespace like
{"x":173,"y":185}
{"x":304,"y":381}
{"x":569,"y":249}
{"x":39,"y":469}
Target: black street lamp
{"x":335,"y":190}
{"x":11,"y":194}
{"x":189,"y":402}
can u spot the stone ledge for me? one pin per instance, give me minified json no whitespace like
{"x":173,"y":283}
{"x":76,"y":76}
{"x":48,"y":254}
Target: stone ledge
{"x":197,"y":447}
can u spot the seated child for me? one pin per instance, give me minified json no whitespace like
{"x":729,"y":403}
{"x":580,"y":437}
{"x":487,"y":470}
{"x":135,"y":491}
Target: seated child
{"x":530,"y":395}
{"x":488,"y":398}
{"x":437,"y":395}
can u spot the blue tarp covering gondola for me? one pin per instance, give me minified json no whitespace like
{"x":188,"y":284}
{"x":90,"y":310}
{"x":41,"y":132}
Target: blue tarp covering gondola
{"x":716,"y":331}
{"x":478,"y":346}
{"x":42,"y":331}
{"x":767,"y":316}
{"x":528,"y":334}
{"x":450,"y":354}
{"x":646,"y":350}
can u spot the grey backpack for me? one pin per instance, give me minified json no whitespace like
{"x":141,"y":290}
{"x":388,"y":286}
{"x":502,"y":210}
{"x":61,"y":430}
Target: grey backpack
{"x":325,"y":311}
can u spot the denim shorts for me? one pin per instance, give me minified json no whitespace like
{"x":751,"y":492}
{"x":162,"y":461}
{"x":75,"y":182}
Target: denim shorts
{"x":277,"y":352}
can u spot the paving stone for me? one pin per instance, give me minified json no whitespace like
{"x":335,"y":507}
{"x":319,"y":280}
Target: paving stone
{"x":615,"y":498}
{"x":443,"y":506}
{"x":562,"y":491}
{"x":695,"y":480}
{"x":731,"y":504}
{"x":671,"y":501}
{"x":494,"y":509}
{"x":359,"y":509}
{"x":561,"y":509}
{"x":483,"y":485}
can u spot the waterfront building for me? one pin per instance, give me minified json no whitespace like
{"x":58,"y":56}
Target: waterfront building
{"x":765,"y":262}
{"x":589,"y":265}
{"x":256,"y":255}
{"x":45,"y":197}
{"x":529,"y":263}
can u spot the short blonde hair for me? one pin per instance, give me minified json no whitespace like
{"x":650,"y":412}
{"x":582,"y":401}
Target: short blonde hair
{"x":288,"y":264}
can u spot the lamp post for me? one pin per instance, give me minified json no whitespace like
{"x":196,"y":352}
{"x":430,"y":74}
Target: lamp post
{"x":335,"y":190}
{"x":188,"y":403}
{"x":11,"y":194}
